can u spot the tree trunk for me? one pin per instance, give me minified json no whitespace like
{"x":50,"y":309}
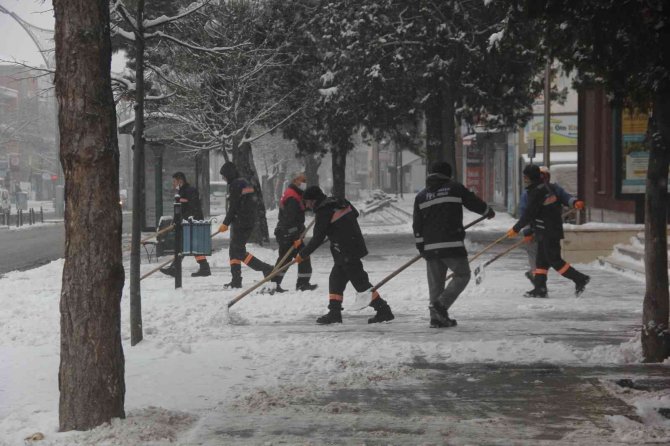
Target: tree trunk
{"x":449,"y":130}
{"x":440,"y":116}
{"x":91,"y":374}
{"x":655,"y":338}
{"x":244,"y":160}
{"x":434,"y":132}
{"x":339,"y":156}
{"x":312,"y":163}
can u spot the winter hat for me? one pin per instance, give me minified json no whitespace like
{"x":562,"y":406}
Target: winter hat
{"x":229,"y":171}
{"x":297,"y":175}
{"x":442,"y":167}
{"x":532,"y":171}
{"x":544,"y":171}
{"x":313,"y":193}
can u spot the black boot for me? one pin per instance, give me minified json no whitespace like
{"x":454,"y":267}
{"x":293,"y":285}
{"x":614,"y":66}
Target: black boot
{"x":169,"y":270}
{"x":581,"y":285}
{"x":305,"y":286}
{"x":439,"y":317}
{"x":172,"y":269}
{"x":236,"y":272}
{"x":529,"y":276}
{"x":334,"y":314}
{"x":383,"y":310}
{"x":259,"y":265}
{"x":536,"y":292}
{"x":540,"y":290}
{"x":203,"y":271}
{"x":580,"y":279}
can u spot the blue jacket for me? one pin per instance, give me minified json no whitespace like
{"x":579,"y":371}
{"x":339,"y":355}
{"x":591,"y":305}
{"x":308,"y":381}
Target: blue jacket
{"x":562,"y":197}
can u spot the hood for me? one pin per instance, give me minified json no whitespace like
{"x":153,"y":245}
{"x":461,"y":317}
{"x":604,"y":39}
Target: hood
{"x":436,"y":180}
{"x":229,"y":171}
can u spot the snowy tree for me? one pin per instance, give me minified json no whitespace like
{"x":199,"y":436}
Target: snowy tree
{"x":143,"y":32}
{"x":226,"y":99}
{"x":623,"y":46}
{"x":91,"y":374}
{"x":438,"y":61}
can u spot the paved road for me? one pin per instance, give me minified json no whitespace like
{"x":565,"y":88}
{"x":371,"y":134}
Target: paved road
{"x":29,"y":247}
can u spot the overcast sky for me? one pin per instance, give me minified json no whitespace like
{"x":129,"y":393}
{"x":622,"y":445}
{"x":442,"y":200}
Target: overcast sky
{"x":15,"y":42}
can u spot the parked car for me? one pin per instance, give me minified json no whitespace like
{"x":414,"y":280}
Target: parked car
{"x":5,"y":204}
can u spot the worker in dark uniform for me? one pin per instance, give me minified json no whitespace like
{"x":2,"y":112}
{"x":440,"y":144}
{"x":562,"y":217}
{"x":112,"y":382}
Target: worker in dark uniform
{"x":543,"y":213}
{"x":336,"y":219}
{"x":531,"y":242}
{"x":190,"y":207}
{"x":439,"y":234}
{"x":290,"y":226}
{"x":241,"y":218}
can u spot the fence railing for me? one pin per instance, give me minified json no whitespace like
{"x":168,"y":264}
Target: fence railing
{"x":29,"y":217}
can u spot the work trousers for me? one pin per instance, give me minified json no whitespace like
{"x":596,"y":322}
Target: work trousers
{"x":437,"y":274}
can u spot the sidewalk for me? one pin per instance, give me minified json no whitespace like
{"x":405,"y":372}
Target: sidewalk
{"x":515,"y":370}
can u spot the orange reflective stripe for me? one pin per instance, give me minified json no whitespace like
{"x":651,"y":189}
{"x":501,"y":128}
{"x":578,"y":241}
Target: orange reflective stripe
{"x":235,"y":262}
{"x":248,"y":258}
{"x":341,"y":213}
{"x":199,"y":258}
{"x":183,"y":200}
{"x":247,"y":190}
{"x":564,"y":269}
{"x":337,"y":297}
{"x":551,"y":199}
{"x":541,"y":271}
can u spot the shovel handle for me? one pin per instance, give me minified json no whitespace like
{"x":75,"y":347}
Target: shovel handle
{"x":292,"y":248}
{"x":265,"y":280}
{"x":415,"y":259}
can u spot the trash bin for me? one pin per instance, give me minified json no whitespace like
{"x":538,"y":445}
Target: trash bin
{"x":196,"y":238}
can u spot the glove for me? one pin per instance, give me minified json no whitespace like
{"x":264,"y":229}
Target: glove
{"x":297,"y":243}
{"x":299,"y":259}
{"x":579,"y":204}
{"x":490,"y":213}
{"x":512,"y":233}
{"x":223,"y":228}
{"x":419,"y":246}
{"x":528,"y":238}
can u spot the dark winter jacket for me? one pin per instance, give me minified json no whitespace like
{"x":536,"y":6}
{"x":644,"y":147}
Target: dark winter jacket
{"x":438,"y":216}
{"x":291,"y":221}
{"x":564,"y":197}
{"x":337,"y":219}
{"x":242,"y":205}
{"x":543,"y":212}
{"x":190,"y":202}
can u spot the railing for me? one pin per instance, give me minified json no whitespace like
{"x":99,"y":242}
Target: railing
{"x":22,"y":217}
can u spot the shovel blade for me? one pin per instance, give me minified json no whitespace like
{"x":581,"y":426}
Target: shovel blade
{"x":362,"y":300}
{"x":479,"y":273}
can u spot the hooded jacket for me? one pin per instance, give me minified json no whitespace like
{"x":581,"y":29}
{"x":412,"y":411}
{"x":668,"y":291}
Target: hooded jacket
{"x":438,"y":216}
{"x":543,"y":211}
{"x":337,"y":219}
{"x":242,"y":208}
{"x":291,"y":220}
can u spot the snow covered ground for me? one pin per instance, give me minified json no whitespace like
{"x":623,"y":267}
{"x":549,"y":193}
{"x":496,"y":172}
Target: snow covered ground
{"x":265,"y":373}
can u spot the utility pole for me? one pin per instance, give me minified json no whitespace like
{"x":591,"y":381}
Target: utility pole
{"x":547,"y":114}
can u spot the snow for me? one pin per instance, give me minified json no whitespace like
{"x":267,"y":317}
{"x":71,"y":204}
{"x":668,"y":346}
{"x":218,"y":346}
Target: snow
{"x":201,"y":367}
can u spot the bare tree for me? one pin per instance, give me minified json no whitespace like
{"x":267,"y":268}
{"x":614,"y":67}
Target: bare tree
{"x":91,"y":375}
